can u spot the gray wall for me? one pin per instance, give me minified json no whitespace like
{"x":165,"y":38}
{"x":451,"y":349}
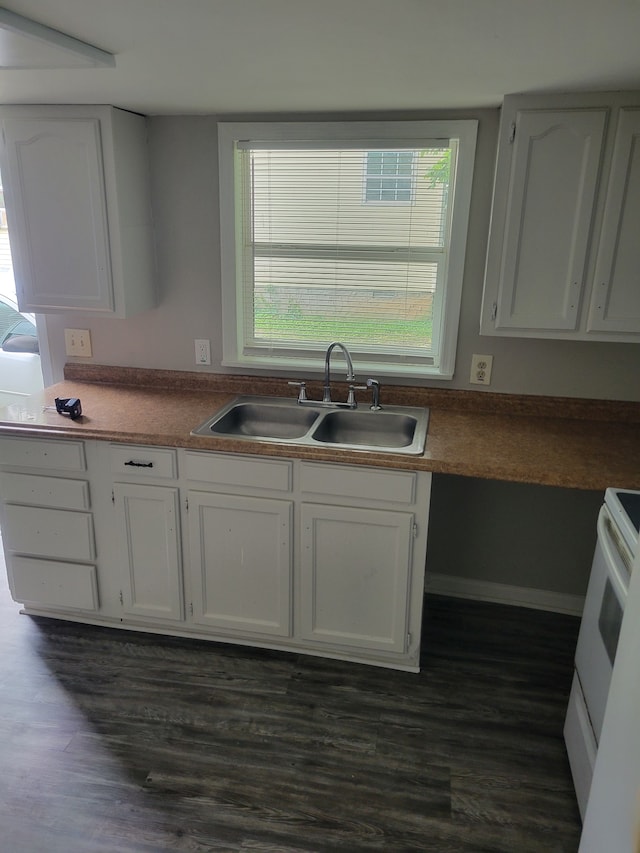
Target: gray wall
{"x":519,"y":535}
{"x":538,"y":537}
{"x":183,"y":152}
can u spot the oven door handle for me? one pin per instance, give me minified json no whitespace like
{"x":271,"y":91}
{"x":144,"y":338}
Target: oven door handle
{"x":616,"y":554}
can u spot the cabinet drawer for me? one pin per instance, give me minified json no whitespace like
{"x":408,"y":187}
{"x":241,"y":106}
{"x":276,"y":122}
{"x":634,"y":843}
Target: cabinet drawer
{"x":49,"y":532}
{"x":54,"y":584}
{"x":257,"y":473}
{"x":362,"y":483}
{"x":144,"y":462}
{"x":44,"y":491}
{"x":39,"y":453}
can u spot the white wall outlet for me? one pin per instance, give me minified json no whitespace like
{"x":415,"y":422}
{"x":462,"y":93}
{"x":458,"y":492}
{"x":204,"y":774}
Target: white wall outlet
{"x":481,"y":369}
{"x":78,"y":342}
{"x":203,"y":351}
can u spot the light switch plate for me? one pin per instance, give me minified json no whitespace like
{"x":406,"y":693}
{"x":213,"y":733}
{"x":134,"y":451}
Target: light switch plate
{"x":78,"y":342}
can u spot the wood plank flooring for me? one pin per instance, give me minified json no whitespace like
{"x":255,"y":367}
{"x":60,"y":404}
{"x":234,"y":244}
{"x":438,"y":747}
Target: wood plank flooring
{"x":114,"y":742}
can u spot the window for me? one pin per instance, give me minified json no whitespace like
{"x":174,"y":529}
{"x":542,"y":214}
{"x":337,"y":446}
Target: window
{"x":353,"y":232}
{"x":20,"y":367}
{"x":389,"y":177}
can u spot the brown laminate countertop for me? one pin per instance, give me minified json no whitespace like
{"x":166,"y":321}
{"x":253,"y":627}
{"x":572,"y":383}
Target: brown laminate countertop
{"x":584,"y":444}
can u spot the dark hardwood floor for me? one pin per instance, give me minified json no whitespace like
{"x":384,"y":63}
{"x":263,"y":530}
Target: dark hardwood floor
{"x":118,"y":742}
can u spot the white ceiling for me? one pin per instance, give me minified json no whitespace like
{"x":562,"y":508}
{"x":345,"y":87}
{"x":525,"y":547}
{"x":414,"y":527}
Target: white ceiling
{"x":263,"y":56}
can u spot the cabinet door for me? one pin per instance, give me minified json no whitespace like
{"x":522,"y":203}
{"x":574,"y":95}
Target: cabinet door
{"x":546,"y":183}
{"x":615,"y":303}
{"x":355,"y":575}
{"x":57,"y":206}
{"x":150,"y":550}
{"x":241,"y":562}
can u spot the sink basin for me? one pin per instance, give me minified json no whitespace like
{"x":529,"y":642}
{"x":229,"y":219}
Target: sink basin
{"x":264,"y":420}
{"x":379,"y":429}
{"x":394,"y":429}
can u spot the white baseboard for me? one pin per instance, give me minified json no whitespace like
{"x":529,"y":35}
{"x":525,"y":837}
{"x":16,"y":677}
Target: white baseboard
{"x":502,"y":593}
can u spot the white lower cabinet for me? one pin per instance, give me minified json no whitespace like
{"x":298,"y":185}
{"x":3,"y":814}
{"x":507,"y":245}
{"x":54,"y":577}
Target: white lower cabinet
{"x":355,"y":574}
{"x":318,"y":558}
{"x":241,"y":562}
{"x":46,"y":532}
{"x":148,"y":525}
{"x":363,"y":540}
{"x":146,"y":502}
{"x":47,"y":524}
{"x":53,"y":583}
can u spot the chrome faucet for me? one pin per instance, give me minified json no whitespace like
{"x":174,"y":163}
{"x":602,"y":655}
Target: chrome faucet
{"x":326,"y":396}
{"x":351,"y":402}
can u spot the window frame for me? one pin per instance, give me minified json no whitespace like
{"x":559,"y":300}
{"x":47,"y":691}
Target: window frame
{"x":232,"y":135}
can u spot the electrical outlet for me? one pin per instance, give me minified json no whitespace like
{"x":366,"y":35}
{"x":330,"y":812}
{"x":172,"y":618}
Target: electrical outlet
{"x":203,"y":351}
{"x":481,"y":369}
{"x":78,"y":342}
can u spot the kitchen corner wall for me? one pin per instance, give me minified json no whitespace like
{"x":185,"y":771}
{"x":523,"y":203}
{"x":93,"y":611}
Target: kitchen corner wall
{"x":183,"y":161}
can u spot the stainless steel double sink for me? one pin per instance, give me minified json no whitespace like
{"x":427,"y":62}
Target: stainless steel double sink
{"x":393,"y":429}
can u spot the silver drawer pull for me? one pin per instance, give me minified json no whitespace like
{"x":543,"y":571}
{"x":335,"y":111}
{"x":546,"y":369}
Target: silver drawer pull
{"x":140,"y":464}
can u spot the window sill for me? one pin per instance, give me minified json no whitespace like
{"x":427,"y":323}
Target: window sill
{"x":315,"y":366}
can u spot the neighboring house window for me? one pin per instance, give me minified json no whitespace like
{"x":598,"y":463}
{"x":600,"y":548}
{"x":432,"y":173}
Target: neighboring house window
{"x":308,"y":259}
{"x":390,"y":177}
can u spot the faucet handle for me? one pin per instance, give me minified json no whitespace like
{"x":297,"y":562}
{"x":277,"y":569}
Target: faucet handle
{"x":302,"y":393}
{"x":351,"y":398}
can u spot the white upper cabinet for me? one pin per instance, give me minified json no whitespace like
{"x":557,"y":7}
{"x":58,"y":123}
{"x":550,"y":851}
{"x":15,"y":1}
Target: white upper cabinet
{"x":77,"y":194}
{"x":615,"y":299}
{"x":547,"y":216}
{"x":563,"y":259}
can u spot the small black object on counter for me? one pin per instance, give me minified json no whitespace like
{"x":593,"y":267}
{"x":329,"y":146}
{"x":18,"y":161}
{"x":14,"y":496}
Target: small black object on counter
{"x":69,"y":406}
